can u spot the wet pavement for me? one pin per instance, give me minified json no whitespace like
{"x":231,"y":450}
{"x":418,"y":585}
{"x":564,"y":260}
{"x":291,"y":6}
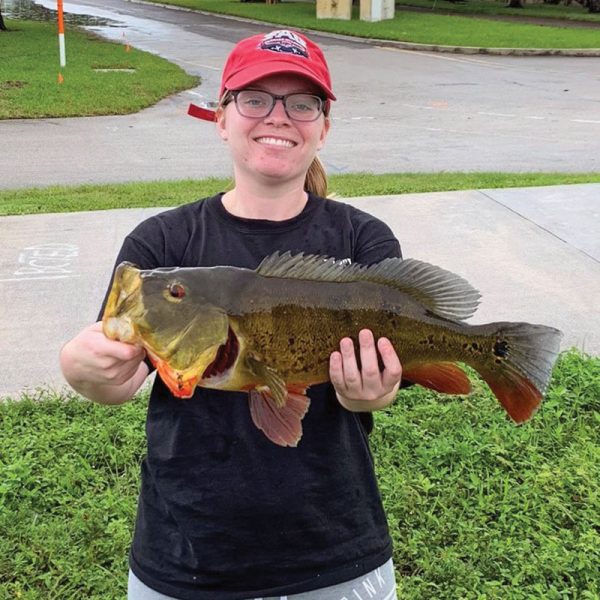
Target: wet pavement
{"x":398,"y":111}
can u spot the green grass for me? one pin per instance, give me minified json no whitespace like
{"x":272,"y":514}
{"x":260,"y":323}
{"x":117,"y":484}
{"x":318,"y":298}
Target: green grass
{"x":29,"y":75}
{"x":478,"y":508}
{"x":173,"y":193}
{"x":573,"y":12}
{"x":408,"y":26}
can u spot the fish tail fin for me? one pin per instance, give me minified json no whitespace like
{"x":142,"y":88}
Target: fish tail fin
{"x":282,"y":424}
{"x":524,"y":355}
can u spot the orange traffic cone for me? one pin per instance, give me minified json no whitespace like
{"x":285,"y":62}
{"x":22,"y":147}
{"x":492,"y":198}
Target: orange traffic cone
{"x":60,"y":78}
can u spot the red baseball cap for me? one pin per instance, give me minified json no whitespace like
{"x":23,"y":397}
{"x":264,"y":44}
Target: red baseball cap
{"x":280,"y":51}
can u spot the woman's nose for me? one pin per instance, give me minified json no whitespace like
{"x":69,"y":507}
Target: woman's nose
{"x":278,"y":112}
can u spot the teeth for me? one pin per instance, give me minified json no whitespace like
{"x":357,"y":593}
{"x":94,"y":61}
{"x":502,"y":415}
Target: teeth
{"x":276,"y":142}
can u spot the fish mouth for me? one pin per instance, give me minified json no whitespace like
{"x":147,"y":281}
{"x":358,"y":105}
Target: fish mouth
{"x":227,"y":354}
{"x":123,"y":305}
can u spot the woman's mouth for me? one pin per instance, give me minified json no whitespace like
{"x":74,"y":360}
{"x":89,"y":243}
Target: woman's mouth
{"x":272,"y":141}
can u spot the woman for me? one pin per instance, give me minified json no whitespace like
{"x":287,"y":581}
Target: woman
{"x":223,"y":512}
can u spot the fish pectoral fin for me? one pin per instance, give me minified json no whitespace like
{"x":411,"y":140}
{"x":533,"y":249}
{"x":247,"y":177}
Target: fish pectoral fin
{"x":444,"y":377}
{"x":271,"y":378}
{"x":179,"y":385}
{"x":281,"y":424}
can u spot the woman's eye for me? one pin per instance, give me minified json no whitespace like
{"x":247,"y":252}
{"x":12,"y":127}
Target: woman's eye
{"x":254,"y":102}
{"x":302,"y":108}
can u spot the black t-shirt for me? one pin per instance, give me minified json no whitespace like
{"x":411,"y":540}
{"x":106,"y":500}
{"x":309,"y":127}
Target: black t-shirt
{"x":224,"y":513}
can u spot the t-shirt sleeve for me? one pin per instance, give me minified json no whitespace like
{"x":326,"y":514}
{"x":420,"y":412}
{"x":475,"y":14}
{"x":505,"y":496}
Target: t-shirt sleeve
{"x":374,"y":240}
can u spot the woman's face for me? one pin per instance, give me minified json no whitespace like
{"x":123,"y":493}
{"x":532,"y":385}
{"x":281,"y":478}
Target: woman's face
{"x":273,"y":149}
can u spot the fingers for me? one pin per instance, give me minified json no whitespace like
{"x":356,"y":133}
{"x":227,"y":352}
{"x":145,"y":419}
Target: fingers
{"x":371,"y":376}
{"x":392,"y":368}
{"x":367,"y":382}
{"x":92,"y":357}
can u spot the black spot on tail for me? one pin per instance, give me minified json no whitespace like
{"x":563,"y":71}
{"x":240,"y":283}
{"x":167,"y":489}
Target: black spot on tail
{"x":501,"y":348}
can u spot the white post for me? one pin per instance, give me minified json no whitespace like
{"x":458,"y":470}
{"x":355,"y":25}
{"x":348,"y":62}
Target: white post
{"x":376,"y":10}
{"x":61,"y":34}
{"x":61,"y":49}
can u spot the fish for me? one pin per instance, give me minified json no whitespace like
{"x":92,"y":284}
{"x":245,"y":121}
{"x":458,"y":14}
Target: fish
{"x":270,"y":331}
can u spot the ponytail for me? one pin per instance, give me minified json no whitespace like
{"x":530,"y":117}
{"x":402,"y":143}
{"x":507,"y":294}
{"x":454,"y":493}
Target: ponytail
{"x":316,"y":179}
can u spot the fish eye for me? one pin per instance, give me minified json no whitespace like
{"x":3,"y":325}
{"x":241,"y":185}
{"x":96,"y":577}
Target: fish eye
{"x":175,"y":292}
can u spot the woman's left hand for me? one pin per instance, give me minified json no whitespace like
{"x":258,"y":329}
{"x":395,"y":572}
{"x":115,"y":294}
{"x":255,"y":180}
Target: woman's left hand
{"x":365,"y":389}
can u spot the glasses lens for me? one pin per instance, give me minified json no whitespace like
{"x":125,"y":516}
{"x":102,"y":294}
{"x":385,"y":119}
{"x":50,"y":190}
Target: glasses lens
{"x":253,"y":103}
{"x":303,"y":107}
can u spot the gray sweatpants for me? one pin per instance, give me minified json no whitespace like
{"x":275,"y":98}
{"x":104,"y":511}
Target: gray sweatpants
{"x":379,"y":584}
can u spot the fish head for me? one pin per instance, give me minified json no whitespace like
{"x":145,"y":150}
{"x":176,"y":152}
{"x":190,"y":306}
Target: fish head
{"x":168,"y":312}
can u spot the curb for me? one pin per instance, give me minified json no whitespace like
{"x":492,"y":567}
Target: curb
{"x":573,"y":52}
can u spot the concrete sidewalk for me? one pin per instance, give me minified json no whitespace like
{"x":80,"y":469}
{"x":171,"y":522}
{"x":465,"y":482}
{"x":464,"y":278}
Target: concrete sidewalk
{"x":534,"y":254}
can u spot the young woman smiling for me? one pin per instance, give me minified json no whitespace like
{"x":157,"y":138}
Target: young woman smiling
{"x":224,"y":513}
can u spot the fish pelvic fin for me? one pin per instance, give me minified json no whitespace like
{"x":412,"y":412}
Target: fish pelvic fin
{"x":271,"y":379}
{"x":281,"y":424}
{"x":442,"y":292}
{"x":444,"y":377}
{"x":524,"y":355}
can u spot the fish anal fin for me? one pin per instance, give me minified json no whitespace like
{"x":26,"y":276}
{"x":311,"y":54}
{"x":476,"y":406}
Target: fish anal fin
{"x":180,"y":386}
{"x":444,"y":377}
{"x":517,"y":394}
{"x":281,"y":424}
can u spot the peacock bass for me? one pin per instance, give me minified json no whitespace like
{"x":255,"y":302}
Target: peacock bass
{"x":270,"y":331}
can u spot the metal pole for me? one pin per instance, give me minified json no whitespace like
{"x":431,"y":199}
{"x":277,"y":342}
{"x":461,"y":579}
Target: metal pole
{"x":61,"y":34}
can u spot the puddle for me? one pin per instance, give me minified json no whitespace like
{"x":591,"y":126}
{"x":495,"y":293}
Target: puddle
{"x":27,"y":9}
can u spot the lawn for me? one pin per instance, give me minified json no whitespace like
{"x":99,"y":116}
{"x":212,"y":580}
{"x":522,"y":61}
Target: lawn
{"x":173,"y":193}
{"x":422,"y":28}
{"x":478,"y":508}
{"x":559,"y":11}
{"x":100,"y":77}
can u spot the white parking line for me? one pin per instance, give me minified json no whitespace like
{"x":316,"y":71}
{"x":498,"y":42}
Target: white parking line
{"x":495,"y":114}
{"x":37,"y":278}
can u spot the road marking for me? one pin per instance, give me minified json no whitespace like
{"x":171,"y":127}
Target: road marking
{"x":583,"y":121}
{"x":38,"y":278}
{"x":439,"y":56}
{"x":50,"y":259}
{"x":495,"y":114}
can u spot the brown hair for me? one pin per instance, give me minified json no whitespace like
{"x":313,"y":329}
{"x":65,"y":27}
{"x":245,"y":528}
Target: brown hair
{"x":315,"y":181}
{"x":316,"y":178}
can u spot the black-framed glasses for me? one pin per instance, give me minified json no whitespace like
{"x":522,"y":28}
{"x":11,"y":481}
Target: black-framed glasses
{"x":258,"y":104}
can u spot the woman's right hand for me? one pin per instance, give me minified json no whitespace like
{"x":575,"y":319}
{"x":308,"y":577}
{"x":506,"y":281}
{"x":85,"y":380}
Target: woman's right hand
{"x":101,"y":369}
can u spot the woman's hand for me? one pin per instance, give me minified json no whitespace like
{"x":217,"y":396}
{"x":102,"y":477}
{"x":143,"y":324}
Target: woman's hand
{"x":103,"y":370}
{"x":365,"y":389}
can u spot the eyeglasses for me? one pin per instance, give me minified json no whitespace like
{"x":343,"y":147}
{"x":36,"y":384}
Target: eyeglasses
{"x":258,"y":104}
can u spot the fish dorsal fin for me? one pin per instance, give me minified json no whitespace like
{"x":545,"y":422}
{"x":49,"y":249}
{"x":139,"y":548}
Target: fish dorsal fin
{"x":441,"y":292}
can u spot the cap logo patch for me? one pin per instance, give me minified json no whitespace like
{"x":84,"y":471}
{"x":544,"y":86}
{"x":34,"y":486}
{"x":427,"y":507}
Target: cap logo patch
{"x":284,"y":41}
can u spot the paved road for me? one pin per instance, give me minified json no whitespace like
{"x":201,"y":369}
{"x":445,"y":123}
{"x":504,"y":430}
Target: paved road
{"x":398,"y":111}
{"x":533,"y":253}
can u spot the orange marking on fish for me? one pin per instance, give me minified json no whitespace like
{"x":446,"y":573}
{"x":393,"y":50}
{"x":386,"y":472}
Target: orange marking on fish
{"x":443,"y":377}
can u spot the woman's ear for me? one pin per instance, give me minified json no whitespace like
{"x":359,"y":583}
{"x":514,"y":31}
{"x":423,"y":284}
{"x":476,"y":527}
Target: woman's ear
{"x":220,"y":123}
{"x":324,"y":132}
